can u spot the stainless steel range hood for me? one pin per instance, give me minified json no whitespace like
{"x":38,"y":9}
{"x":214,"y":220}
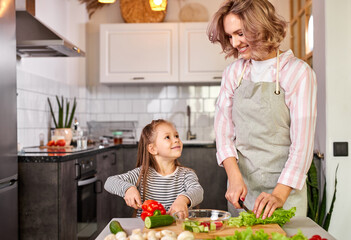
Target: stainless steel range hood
{"x":34,"y":39}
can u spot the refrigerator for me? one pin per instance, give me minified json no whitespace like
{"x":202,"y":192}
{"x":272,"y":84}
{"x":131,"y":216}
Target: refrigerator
{"x":8,"y":123}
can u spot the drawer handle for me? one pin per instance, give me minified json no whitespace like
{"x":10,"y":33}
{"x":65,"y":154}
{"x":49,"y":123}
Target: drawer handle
{"x":138,"y":78}
{"x":217,"y":77}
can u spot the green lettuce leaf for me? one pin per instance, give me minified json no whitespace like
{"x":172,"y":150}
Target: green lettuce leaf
{"x":279,"y":216}
{"x":248,"y":234}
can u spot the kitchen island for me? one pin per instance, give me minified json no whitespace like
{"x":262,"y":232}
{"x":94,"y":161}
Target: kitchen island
{"x":305,"y":224}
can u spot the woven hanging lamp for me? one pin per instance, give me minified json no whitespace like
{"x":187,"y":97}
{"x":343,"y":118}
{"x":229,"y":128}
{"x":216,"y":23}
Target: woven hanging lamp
{"x":158,"y":5}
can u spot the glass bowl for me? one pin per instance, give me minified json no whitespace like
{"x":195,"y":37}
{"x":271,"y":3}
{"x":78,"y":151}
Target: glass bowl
{"x":202,"y":220}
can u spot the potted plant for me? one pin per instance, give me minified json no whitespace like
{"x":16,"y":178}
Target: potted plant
{"x":63,"y":124}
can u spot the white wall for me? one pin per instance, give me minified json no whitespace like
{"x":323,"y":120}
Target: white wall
{"x":338,"y":109}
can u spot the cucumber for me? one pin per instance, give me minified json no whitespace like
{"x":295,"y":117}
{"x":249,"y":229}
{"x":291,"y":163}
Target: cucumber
{"x":158,"y":221}
{"x":116,"y":227}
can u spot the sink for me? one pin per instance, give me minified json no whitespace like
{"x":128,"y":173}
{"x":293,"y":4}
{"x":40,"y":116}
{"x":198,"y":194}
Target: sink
{"x":198,"y":142}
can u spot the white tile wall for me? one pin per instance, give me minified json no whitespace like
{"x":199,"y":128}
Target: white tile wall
{"x":113,"y":103}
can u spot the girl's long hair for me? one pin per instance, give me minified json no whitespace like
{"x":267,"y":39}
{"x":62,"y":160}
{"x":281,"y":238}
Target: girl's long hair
{"x":145,"y":160}
{"x":263,"y":29}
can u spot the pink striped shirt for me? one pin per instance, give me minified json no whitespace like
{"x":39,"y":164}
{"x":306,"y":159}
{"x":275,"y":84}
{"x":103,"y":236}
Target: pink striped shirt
{"x":299,"y":83}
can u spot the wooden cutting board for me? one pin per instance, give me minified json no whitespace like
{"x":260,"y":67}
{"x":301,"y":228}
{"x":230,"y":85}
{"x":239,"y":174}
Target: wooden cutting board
{"x":227,"y":231}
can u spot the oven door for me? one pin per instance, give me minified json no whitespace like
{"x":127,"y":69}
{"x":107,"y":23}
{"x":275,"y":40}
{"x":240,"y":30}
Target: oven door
{"x":86,"y":203}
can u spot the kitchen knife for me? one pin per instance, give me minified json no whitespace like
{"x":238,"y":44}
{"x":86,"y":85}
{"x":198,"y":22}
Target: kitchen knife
{"x":241,"y":203}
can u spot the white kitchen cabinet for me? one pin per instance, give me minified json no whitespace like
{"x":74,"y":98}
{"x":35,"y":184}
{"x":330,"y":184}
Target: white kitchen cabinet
{"x":139,"y":53}
{"x":159,"y":53}
{"x":199,"y":59}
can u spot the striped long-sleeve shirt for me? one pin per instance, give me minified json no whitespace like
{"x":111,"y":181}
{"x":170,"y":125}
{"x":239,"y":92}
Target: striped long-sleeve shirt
{"x":164,"y":189}
{"x":299,"y":83}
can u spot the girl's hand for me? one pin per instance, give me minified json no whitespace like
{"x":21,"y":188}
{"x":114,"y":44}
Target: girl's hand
{"x":132,"y":198}
{"x":270,"y":202}
{"x":180,"y":204}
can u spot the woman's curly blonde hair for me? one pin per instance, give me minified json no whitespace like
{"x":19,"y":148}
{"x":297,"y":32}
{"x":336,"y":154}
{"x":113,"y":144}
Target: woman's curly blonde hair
{"x":263,"y":29}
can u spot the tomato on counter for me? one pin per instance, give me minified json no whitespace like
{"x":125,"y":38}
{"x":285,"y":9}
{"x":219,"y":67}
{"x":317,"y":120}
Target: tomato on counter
{"x":317,"y":237}
{"x":51,"y":143}
{"x":61,"y":142}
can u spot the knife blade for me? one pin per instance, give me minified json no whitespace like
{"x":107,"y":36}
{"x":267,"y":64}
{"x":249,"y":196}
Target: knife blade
{"x":241,"y":203}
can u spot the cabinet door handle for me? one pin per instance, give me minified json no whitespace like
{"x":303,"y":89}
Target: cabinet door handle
{"x":114,"y":160}
{"x":78,"y":171}
{"x":138,"y":78}
{"x":100,"y":188}
{"x":216,"y":77}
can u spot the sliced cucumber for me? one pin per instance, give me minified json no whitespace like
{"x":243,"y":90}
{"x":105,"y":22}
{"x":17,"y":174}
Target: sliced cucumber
{"x":212,"y":226}
{"x":158,"y":221}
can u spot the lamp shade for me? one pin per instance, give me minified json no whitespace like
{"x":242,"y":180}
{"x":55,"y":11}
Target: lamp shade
{"x":158,"y":5}
{"x":107,"y":1}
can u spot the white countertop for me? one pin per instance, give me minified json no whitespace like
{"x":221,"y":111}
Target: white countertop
{"x":306,"y":225}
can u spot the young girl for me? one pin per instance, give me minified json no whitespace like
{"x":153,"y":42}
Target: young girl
{"x":158,"y":176}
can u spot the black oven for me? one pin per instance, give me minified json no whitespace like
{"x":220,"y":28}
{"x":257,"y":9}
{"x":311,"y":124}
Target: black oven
{"x":87,"y":198}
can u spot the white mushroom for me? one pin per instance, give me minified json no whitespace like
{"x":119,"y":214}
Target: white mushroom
{"x":136,"y":231}
{"x":158,"y":235}
{"x":186,"y":235}
{"x":136,"y":237}
{"x":110,"y":237}
{"x":169,"y":233}
{"x":121,"y":235}
{"x":151,"y":234}
{"x":144,"y":235}
{"x":152,"y":238}
{"x":168,"y":237}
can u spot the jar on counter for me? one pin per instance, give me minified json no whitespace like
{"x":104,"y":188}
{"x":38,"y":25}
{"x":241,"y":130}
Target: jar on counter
{"x":118,"y":137}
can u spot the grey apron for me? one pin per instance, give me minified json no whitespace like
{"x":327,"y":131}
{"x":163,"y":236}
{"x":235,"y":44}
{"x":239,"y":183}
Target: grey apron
{"x":262,"y":126}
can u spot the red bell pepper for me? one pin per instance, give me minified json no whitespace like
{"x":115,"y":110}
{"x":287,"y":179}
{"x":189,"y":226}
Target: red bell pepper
{"x":149,"y":207}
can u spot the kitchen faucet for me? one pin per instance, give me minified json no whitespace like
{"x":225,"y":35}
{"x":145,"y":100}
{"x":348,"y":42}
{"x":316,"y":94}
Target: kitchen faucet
{"x":189,"y":135}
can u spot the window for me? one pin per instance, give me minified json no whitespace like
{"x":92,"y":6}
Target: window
{"x":301,"y":28}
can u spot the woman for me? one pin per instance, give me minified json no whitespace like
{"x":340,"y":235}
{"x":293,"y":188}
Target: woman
{"x":266,"y":110}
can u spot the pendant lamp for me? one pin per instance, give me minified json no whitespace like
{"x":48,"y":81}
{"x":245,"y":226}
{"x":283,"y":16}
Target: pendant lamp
{"x":107,"y":1}
{"x":158,"y":5}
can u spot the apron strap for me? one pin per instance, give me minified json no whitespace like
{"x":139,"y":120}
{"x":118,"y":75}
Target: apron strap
{"x":242,"y":73}
{"x":277,"y":88}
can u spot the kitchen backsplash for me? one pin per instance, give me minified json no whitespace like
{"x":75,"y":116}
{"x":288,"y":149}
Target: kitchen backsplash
{"x":114,"y":103}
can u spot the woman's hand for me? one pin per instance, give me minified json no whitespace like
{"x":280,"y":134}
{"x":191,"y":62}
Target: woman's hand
{"x":132,"y":198}
{"x":236,"y":187}
{"x":180,"y":204}
{"x":270,"y":202}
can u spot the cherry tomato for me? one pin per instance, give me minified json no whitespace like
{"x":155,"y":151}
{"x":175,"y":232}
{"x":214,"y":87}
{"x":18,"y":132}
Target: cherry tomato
{"x":206,"y":224}
{"x":218,"y":225}
{"x":51,"y":143}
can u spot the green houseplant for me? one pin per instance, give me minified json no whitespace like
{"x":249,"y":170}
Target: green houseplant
{"x":63,"y":123}
{"x":317,"y":199}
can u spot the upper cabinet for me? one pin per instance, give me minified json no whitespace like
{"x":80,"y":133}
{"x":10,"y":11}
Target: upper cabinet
{"x":199,"y":59}
{"x":139,"y":53}
{"x":159,"y":53}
